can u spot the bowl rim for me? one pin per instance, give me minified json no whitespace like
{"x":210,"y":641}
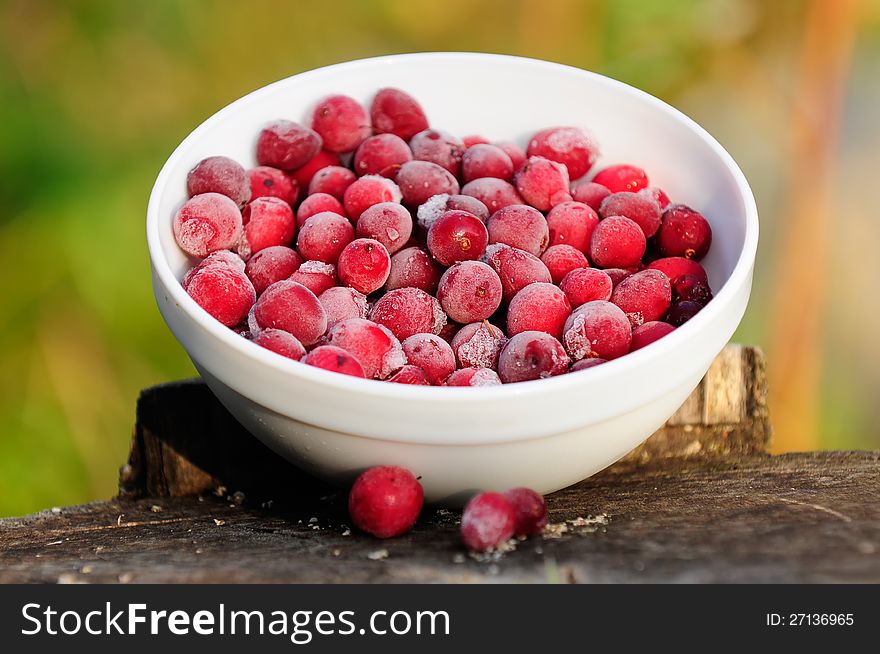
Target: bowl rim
{"x":739,"y":276}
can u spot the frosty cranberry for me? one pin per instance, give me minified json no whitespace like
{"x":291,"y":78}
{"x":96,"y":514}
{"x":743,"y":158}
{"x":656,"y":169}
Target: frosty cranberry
{"x":364,"y":265}
{"x":281,"y":342}
{"x":387,"y":222}
{"x":542,"y":183}
{"x":529,"y":509}
{"x":367,"y":191}
{"x":408,"y":311}
{"x":494,"y":193}
{"x":469,"y":291}
{"x":332,"y":180}
{"x":323,"y":237}
{"x":473,"y":377}
{"x":432,"y":355}
{"x":413,"y":267}
{"x":583,"y":364}
{"x":644,"y":296}
{"x":438,"y":147}
{"x":376,"y":348}
{"x":457,"y":236}
{"x":287,"y":145}
{"x":484,"y":160}
{"x":617,"y":242}
{"x":488,"y":521}
{"x":681,"y":312}
{"x":409,"y":374}
{"x":271,"y":265}
{"x":396,"y":112}
{"x":224,"y":292}
{"x":531,"y":355}
{"x":341,"y":303}
{"x":691,"y":287}
{"x":562,"y":259}
{"x":538,"y":307}
{"x":683,"y":233}
{"x":643,"y":211}
{"x":437,"y":205}
{"x":565,"y":145}
{"x":597,"y":329}
{"x":316,"y":276}
{"x":583,"y":285}
{"x":590,"y":193}
{"x":478,"y":345}
{"x":471,"y":140}
{"x":222,"y":258}
{"x":516,"y":268}
{"x":382,"y":154}
{"x":341,"y":122}
{"x":303,"y":175}
{"x":266,"y":181}
{"x":657,"y":195}
{"x":219,"y":175}
{"x":268,"y":221}
{"x":675,"y":267}
{"x":617,"y":275}
{"x":622,"y":177}
{"x":293,"y":308}
{"x":334,"y":359}
{"x":648,"y":332}
{"x":206,"y":223}
{"x":419,"y":180}
{"x":385,"y":501}
{"x":519,"y":226}
{"x":572,"y":223}
{"x":315,"y":204}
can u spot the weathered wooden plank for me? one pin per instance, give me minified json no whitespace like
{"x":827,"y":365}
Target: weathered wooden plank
{"x":792,"y":518}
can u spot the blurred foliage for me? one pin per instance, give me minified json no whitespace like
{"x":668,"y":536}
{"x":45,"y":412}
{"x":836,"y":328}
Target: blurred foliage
{"x":95,"y":95}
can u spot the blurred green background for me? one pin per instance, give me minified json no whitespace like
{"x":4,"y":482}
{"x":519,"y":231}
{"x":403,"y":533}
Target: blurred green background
{"x":95,"y":95}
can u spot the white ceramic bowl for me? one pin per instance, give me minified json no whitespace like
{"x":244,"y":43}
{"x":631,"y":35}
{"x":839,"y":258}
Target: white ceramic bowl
{"x":545,"y":434}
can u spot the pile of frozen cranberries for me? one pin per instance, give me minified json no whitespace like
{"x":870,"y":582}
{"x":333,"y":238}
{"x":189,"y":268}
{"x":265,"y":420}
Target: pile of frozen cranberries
{"x":373,"y":245}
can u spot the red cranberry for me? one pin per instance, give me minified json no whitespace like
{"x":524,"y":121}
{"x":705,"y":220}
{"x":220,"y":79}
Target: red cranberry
{"x":478,"y":345}
{"x":617,"y":275}
{"x":584,"y":285}
{"x":683,"y":233}
{"x":494,"y":193}
{"x":281,"y":342}
{"x":657,"y":195}
{"x":266,"y":181}
{"x":542,"y":183}
{"x":367,"y":191}
{"x":517,"y":154}
{"x":469,"y":291}
{"x":341,"y":122}
{"x":303,"y":175}
{"x":471,"y":140}
{"x":364,"y":265}
{"x":675,"y":267}
{"x":437,"y":205}
{"x":484,"y":160}
{"x":516,"y":268}
{"x":644,"y":296}
{"x":562,"y":259}
{"x":438,"y":147}
{"x":341,"y":303}
{"x":572,"y":223}
{"x":648,"y":332}
{"x":488,"y":521}
{"x":450,"y":329}
{"x":385,"y":501}
{"x":271,"y":265}
{"x":432,"y":355}
{"x":519,"y":226}
{"x":224,"y":292}
{"x":681,"y":312}
{"x":419,"y":180}
{"x":597,"y":329}
{"x":332,"y":180}
{"x":531,"y":355}
{"x":408,"y":311}
{"x":316,"y":276}
{"x":643,"y":211}
{"x":207,"y":223}
{"x":334,"y":359}
{"x":315,"y":204}
{"x":566,"y":145}
{"x":382,"y":154}
{"x":223,"y":258}
{"x":538,"y":307}
{"x":293,"y":308}
{"x":691,"y":287}
{"x":220,"y":175}
{"x":457,"y":236}
{"x":590,"y":193}
{"x":376,"y":348}
{"x":396,"y":112}
{"x":324,"y":236}
{"x":617,"y":242}
{"x":583,"y":364}
{"x":287,"y":145}
{"x":387,"y":222}
{"x":410,"y":374}
{"x":414,"y":267}
{"x":622,"y":177}
{"x":530,"y":511}
{"x":473,"y":377}
{"x":267,"y":222}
